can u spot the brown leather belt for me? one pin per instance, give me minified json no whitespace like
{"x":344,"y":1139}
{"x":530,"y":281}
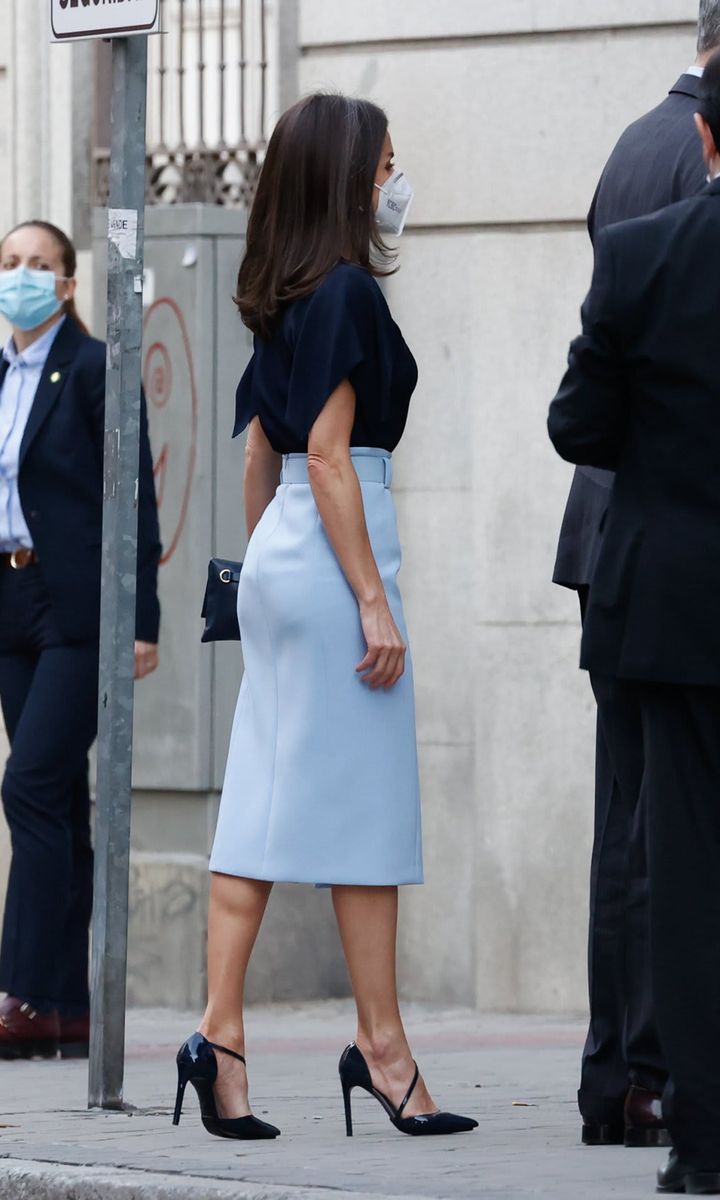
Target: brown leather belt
{"x":17,"y":560}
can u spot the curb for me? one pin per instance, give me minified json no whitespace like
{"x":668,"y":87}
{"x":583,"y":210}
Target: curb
{"x":21,"y":1179}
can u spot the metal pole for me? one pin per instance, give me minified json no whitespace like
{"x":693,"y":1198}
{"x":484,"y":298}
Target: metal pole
{"x":243,"y":66}
{"x":119,"y":554}
{"x":222,"y":68}
{"x":201,"y":74}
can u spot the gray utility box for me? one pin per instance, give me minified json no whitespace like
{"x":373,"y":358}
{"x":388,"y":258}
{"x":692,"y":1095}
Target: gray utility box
{"x":195,"y":349}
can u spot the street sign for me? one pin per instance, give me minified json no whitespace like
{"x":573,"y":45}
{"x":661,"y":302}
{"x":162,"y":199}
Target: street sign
{"x":76,"y":19}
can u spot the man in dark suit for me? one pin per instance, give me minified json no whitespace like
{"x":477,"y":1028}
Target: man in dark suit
{"x":642,"y":397}
{"x":657,"y":161}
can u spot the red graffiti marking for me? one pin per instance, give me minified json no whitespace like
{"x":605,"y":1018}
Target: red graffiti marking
{"x":158,"y":373}
{"x":158,"y":378}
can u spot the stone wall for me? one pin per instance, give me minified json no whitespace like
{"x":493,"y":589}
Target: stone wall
{"x":502,"y":114}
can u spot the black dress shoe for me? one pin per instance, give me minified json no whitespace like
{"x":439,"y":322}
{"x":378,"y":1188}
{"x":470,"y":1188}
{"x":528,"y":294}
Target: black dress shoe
{"x":596,"y":1134}
{"x":197,"y":1064}
{"x":644,"y":1123}
{"x":677,"y":1176}
{"x":355,"y":1073}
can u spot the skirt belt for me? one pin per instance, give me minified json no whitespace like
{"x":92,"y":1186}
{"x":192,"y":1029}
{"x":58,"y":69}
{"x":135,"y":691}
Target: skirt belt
{"x":371,"y":468}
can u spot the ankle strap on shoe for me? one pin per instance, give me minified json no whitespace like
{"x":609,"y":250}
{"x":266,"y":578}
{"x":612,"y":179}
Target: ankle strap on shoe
{"x":410,"y":1090}
{"x":232,"y":1053}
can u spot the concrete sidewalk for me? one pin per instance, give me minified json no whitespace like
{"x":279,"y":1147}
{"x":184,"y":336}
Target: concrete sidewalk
{"x":517,"y":1075}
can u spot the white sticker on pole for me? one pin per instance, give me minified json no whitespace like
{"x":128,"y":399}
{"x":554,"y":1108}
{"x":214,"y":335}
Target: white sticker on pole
{"x":103,"y":18}
{"x":123,"y":229}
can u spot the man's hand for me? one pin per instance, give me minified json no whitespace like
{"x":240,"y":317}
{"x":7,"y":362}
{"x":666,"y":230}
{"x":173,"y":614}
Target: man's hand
{"x":146,"y":659}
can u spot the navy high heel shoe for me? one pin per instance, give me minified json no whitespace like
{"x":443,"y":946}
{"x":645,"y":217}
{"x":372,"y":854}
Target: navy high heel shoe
{"x":197,"y":1064}
{"x":354,"y":1072}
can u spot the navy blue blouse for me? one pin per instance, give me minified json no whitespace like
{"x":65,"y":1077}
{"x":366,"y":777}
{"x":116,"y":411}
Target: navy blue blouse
{"x":343,"y":330}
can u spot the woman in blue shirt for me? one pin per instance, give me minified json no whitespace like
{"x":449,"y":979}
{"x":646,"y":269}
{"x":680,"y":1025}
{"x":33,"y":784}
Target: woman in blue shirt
{"x":52,"y":395}
{"x":321,"y":784}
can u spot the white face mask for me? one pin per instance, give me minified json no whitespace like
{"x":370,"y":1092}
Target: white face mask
{"x":396,"y":196}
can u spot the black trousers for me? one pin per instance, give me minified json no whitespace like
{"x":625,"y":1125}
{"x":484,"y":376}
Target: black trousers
{"x":622,"y":1045}
{"x":681,"y":732}
{"x":48,"y":690}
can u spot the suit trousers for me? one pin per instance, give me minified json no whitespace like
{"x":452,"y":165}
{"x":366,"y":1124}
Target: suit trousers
{"x":622,"y":1045}
{"x":48,"y":690}
{"x":681,"y":732}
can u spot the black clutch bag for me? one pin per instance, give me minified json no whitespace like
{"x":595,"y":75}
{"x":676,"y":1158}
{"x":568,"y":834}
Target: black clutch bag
{"x":220,"y":604}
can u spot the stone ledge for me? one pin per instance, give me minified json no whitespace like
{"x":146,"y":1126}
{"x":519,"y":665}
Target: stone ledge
{"x":24,"y":1180}
{"x":298,"y":955}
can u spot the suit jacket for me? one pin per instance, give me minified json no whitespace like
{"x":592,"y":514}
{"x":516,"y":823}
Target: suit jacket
{"x":657,"y":162}
{"x":60,"y":481}
{"x":642,"y":397}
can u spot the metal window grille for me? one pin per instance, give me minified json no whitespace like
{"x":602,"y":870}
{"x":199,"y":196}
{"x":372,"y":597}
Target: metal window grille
{"x":207,"y":104}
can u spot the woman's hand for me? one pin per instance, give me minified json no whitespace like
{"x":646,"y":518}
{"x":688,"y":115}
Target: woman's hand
{"x":146,"y":659}
{"x":384,"y":662}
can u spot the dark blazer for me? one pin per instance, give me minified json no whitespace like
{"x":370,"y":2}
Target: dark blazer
{"x":60,"y":481}
{"x":641,"y":396}
{"x":657,"y":161}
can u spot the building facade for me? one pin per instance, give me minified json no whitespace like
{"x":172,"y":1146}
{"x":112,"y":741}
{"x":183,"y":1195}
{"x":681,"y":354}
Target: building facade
{"x":502,"y":113}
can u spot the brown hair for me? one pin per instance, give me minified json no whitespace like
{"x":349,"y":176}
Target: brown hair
{"x":313,"y":205}
{"x":69,"y":260}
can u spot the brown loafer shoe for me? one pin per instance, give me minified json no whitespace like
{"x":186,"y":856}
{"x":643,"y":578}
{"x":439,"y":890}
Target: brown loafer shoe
{"x":644,"y":1123}
{"x":75,"y":1036}
{"x":26,"y":1033}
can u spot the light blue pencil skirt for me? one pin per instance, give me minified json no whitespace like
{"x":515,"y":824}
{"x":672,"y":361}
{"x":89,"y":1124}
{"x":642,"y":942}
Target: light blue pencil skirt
{"x":321,"y":783}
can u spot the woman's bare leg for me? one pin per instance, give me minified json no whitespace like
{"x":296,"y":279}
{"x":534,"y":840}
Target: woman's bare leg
{"x":237,"y":907}
{"x":367,"y":920}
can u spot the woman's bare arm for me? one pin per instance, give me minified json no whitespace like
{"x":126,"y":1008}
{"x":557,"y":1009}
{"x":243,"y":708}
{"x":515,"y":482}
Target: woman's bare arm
{"x":262,"y":474}
{"x":338,"y":496}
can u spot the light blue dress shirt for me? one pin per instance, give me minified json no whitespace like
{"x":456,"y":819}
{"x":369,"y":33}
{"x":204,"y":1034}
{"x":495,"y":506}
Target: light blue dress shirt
{"x":16,"y":400}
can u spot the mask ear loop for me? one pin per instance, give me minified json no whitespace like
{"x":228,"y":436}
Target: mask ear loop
{"x":66,"y":279}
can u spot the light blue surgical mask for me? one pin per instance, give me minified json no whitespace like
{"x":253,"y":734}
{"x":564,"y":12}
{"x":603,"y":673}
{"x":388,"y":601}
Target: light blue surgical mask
{"x":27,"y":297}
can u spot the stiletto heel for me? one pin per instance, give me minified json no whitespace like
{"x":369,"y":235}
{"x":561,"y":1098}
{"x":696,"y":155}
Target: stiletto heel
{"x":197,"y":1064}
{"x":354,"y":1072}
{"x":347,"y":1091}
{"x":182,"y":1084}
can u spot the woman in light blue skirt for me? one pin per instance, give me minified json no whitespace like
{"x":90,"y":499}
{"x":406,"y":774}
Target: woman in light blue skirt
{"x":321,"y":784}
